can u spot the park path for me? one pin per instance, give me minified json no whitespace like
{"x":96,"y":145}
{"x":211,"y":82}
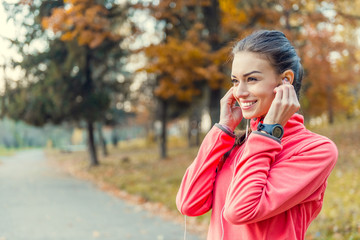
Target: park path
{"x":39,"y":202}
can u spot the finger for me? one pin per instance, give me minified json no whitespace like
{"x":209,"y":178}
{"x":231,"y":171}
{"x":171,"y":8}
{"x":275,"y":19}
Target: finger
{"x":294,"y":99}
{"x":278,"y":93}
{"x":285,"y":94}
{"x":229,"y":92}
{"x":237,"y":112}
{"x":227,"y":97}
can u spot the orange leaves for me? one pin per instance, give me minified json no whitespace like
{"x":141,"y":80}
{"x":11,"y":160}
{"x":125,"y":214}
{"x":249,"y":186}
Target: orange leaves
{"x":55,"y":21}
{"x":183,"y":66}
{"x":213,"y":75}
{"x":68,"y":36}
{"x":175,"y":62}
{"x":84,"y":37}
{"x":83,"y":20}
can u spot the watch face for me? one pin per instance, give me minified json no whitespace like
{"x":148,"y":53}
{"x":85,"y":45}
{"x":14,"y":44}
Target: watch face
{"x":277,"y":132}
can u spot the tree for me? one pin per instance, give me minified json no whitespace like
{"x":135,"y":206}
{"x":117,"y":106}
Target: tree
{"x":79,"y":69}
{"x":184,"y":63}
{"x":310,"y":25}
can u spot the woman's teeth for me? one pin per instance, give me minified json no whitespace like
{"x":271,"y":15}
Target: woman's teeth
{"x":248,"y":104}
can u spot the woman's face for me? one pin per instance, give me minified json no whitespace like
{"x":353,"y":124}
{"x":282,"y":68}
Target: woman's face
{"x":254,"y":80}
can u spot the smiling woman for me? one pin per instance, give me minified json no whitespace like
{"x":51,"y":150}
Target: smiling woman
{"x":268,"y":184}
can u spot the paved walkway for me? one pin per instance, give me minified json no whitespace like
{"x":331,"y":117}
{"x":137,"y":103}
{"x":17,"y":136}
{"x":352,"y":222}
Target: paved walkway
{"x":38,"y":202}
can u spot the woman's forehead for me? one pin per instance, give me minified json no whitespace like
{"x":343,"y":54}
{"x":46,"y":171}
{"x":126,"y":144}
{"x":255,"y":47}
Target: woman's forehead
{"x":245,"y":62}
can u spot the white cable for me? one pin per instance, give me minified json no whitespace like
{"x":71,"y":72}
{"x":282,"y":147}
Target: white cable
{"x":222,"y":211}
{"x":185,"y":228}
{"x":222,"y":224}
{"x":247,"y":128}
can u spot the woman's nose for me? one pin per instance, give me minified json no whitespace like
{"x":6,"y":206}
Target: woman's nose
{"x":240,"y":91}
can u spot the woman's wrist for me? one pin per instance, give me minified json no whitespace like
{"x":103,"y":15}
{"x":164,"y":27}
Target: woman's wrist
{"x":225,"y":129}
{"x":226,"y":126}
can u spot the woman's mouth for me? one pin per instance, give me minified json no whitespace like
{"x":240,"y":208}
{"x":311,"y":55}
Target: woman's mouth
{"x":247,"y":105}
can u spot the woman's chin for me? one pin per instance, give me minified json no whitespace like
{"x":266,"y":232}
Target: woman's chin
{"x":251,"y":115}
{"x":248,"y":116}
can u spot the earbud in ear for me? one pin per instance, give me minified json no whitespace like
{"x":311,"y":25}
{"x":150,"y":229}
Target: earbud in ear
{"x":285,"y":79}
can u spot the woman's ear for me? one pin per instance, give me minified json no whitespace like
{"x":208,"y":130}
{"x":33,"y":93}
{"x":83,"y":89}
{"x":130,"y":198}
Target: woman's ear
{"x":288,"y":75}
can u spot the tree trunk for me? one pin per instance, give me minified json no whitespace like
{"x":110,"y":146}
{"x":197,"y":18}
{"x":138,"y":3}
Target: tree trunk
{"x":114,"y":137}
{"x":189,"y":132}
{"x":102,"y":140}
{"x":91,"y":145}
{"x":214,"y":105}
{"x":89,"y":89}
{"x":3,"y":104}
{"x":194,"y":128}
{"x":198,"y":127}
{"x":163,"y":135}
{"x":330,"y":104}
{"x":212,"y":23}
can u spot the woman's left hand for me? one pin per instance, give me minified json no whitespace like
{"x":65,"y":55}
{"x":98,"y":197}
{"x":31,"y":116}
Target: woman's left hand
{"x":284,"y":105}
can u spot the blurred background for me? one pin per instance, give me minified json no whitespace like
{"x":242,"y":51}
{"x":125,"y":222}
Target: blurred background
{"x":130,"y":87}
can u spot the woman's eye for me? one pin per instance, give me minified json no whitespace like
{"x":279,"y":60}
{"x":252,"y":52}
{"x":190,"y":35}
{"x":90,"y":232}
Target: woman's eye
{"x":234,"y":81}
{"x":250,"y":79}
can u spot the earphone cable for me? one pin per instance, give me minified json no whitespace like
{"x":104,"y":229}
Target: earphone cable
{"x":185,"y":227}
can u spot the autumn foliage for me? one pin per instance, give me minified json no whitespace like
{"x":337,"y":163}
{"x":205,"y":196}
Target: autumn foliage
{"x":313,"y":28}
{"x":84,"y":20}
{"x":183,"y":66}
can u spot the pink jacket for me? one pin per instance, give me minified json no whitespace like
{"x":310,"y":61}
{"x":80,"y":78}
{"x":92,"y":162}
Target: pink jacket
{"x":265,"y":190}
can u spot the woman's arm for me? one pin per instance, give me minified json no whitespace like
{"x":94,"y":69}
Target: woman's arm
{"x":194,"y":197}
{"x":260,"y":190}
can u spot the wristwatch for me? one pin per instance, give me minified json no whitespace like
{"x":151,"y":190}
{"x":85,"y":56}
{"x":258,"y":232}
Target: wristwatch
{"x":275,"y":130}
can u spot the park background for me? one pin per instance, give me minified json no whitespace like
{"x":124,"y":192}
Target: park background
{"x":121,"y":92}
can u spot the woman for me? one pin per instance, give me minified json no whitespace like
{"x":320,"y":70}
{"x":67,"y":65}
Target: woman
{"x":268,"y":184}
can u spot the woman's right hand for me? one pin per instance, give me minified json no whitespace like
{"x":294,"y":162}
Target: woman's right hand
{"x":230,"y":114}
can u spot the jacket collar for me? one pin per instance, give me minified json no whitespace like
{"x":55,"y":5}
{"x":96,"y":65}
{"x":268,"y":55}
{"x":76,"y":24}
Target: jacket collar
{"x":294,"y":124}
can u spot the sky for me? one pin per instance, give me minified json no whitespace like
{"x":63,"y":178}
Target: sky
{"x":8,"y":30}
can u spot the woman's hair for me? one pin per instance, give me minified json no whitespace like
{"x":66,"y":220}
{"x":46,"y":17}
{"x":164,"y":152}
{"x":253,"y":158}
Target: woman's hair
{"x":277,"y":49}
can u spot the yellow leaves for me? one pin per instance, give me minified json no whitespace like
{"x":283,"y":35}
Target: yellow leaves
{"x":67,"y":36}
{"x":45,"y":23}
{"x":311,"y":6}
{"x":83,"y":20}
{"x":345,"y":95}
{"x":232,"y":15}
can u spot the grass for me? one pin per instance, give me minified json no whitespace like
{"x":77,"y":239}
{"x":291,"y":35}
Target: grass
{"x":7,"y":151}
{"x":340,"y":216}
{"x":136,"y":169}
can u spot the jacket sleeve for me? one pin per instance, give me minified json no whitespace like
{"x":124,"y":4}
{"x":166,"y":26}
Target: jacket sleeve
{"x":194,"y":197}
{"x":261,"y":189}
